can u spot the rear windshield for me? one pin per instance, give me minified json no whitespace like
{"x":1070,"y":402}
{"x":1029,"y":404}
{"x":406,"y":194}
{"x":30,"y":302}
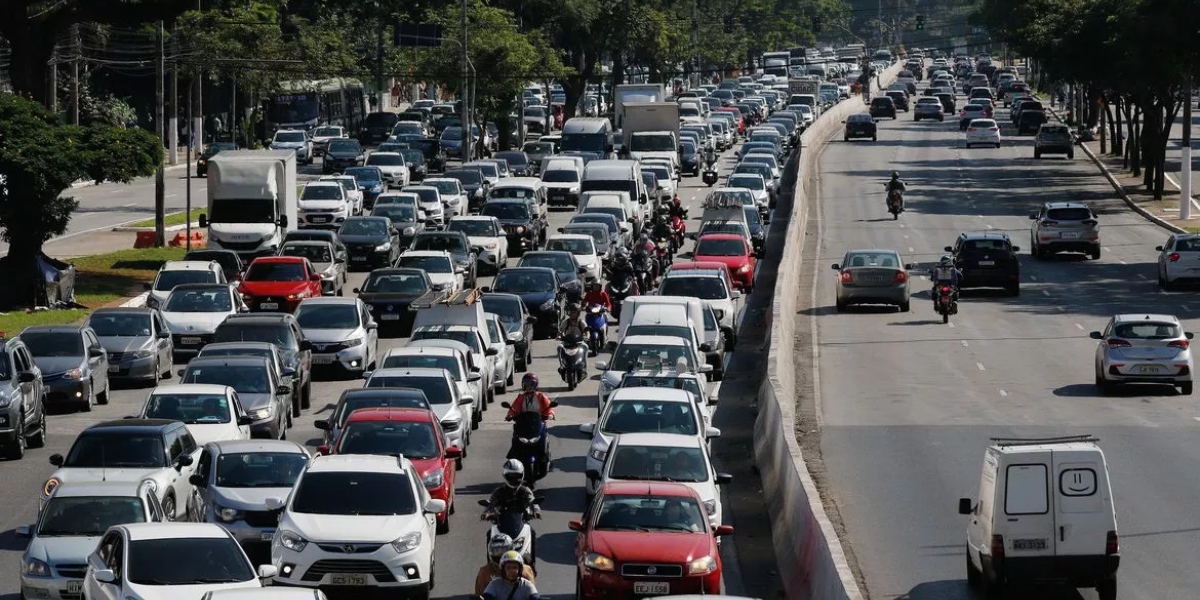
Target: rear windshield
{"x":1068,"y":214}
{"x":1143,"y":330}
{"x":985,"y":246}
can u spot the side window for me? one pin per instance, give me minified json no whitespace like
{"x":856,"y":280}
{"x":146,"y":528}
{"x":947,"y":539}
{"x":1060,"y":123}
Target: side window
{"x":204,"y":463}
{"x":174,"y":445}
{"x":21,"y":360}
{"x":105,"y":550}
{"x":116,"y":562}
{"x":1108,"y":328}
{"x":1026,"y":490}
{"x":188,"y":442}
{"x":1170,"y":244}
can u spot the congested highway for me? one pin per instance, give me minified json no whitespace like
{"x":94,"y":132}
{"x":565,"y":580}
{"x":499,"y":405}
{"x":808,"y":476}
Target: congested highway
{"x":462,"y":550}
{"x":903,"y":444}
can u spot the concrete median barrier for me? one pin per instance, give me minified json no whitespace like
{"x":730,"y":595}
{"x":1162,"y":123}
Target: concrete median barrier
{"x":812,"y":564}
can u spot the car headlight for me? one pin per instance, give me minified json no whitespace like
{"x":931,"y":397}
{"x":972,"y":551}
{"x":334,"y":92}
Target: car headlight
{"x":262,"y":413}
{"x":744,"y":269}
{"x":383,"y":247}
{"x":710,"y":506}
{"x":702,"y":566}
{"x":408,"y":542}
{"x":299,"y":296}
{"x":491,"y":246}
{"x":226,"y":514}
{"x":434,"y":479}
{"x":33,"y":567}
{"x":599,"y":562}
{"x":450,"y":425}
{"x":375,"y":189}
{"x":598,"y":453}
{"x":50,"y":485}
{"x":292,"y":541}
{"x":573,"y":189}
{"x":353,"y":343}
{"x":73,"y":374}
{"x":452,"y":201}
{"x":547,"y":305}
{"x":521,"y":229}
{"x":143,"y":354}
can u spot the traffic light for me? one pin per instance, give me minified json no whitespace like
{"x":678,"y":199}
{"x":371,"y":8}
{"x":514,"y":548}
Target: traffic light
{"x":920,"y":22}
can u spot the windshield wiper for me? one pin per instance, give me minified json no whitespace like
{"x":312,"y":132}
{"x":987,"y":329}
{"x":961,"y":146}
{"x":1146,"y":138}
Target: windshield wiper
{"x":218,"y":580}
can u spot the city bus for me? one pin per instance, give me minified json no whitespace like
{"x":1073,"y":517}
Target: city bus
{"x":306,"y":104}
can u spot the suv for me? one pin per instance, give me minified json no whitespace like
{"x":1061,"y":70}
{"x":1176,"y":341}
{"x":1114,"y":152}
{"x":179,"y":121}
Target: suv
{"x":175,"y":272}
{"x":22,"y":395}
{"x":1053,"y":138}
{"x":987,"y":259}
{"x":882,"y":106}
{"x":861,"y":125}
{"x":457,"y":244}
{"x":282,"y":330}
{"x":386,"y":521}
{"x":1064,"y":227}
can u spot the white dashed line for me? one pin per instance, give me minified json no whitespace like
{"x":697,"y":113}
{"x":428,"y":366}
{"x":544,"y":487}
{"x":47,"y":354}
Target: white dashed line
{"x":980,"y":216}
{"x":1079,"y":327}
{"x":1107,"y":249}
{"x":1122,"y":262}
{"x":980,"y":365}
{"x":964,"y":343}
{"x":990,"y":227}
{"x":1033,"y":277}
{"x":1005,"y":394}
{"x":1184,"y":307}
{"x":951,"y":325}
{"x":910,"y":249}
{"x":1142,"y":275}
{"x":1045,"y":292}
{"x":906,"y":236}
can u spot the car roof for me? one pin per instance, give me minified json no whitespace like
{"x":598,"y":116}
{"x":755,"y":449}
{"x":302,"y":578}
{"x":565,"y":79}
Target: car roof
{"x":230,"y":361}
{"x":1134,"y":317}
{"x":649,"y":488}
{"x":190,"y":388}
{"x":258,"y":445}
{"x":410,"y":371}
{"x":571,"y":236}
{"x":651,"y":393}
{"x":697,"y":269}
{"x":428,"y":348}
{"x":131,"y":425}
{"x":390,"y":413}
{"x":77,"y":489}
{"x":335,"y":300}
{"x":654,"y":340}
{"x":666,"y":440}
{"x":280,"y":259}
{"x":246,"y":344}
{"x":723,"y":236}
{"x":174,"y":530}
{"x":542,"y":270}
{"x":356,"y":463}
{"x":123,"y":310}
{"x":983,"y":235}
{"x":426,"y":253}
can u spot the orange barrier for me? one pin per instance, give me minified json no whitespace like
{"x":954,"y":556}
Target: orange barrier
{"x":181,"y":239}
{"x":145,"y":239}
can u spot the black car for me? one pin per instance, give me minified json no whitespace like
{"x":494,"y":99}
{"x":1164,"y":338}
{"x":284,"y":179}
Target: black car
{"x":523,"y":227}
{"x":377,"y":127}
{"x":209,"y":152}
{"x":403,"y":218}
{"x":516,"y":319}
{"x":882,"y":106}
{"x":536,"y":151}
{"x":564,"y":264}
{"x":230,"y":261}
{"x":899,"y":98}
{"x":539,"y":289}
{"x":316,"y":235}
{"x":987,"y":259}
{"x":757,"y":222}
{"x":1031,"y":119}
{"x":370,"y":241}
{"x":689,"y":158}
{"x":388,"y":292}
{"x":457,"y":244}
{"x":282,"y":330}
{"x":418,"y":169}
{"x":519,"y":164}
{"x":473,"y":186}
{"x":342,"y":154}
{"x":370,"y":181}
{"x":73,"y":363}
{"x":861,"y":125}
{"x":949,"y":105}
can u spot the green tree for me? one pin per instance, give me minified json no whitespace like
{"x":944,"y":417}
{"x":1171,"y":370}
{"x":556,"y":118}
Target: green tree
{"x":40,"y":157}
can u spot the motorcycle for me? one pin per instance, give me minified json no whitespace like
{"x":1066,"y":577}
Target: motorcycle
{"x":620,"y":288}
{"x":572,"y":361}
{"x":679,"y":229}
{"x":529,"y":444}
{"x":945,"y":302}
{"x":709,"y":177}
{"x":895,"y":203}
{"x":514,"y":524}
{"x":663,"y":252}
{"x":597,"y":325}
{"x":643,"y":269}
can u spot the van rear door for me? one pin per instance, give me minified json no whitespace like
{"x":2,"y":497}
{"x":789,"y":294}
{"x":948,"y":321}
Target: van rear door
{"x":1083,"y":511}
{"x":1026,"y":515}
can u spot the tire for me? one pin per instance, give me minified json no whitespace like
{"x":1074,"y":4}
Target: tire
{"x":841,"y":306}
{"x":905,"y":306}
{"x":1107,"y":590}
{"x":444,"y":527}
{"x":997,"y":146}
{"x":845,"y":138}
{"x":16,"y":450}
{"x":168,"y":506}
{"x":1013,"y":289}
{"x":974,"y":576}
{"x":306,"y":396}
{"x":945,"y":317}
{"x":170,"y":367}
{"x":1070,"y":156}
{"x":1037,"y":154}
{"x":38,"y":440}
{"x":102,"y":398}
{"x":1103,"y":384}
{"x":1095,"y":253}
{"x":1185,"y":388}
{"x":91,"y":399}
{"x":522,"y":363}
{"x":874,"y":138}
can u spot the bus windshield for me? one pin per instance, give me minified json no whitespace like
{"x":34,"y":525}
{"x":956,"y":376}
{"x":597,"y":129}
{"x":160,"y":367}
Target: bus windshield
{"x":293,"y":108}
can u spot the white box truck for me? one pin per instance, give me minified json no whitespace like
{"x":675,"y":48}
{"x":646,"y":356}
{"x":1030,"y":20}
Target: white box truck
{"x":635,"y":93}
{"x":652,"y":131}
{"x":252,"y":197}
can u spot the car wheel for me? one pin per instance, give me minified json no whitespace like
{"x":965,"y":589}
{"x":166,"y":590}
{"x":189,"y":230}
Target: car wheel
{"x":16,"y":449}
{"x":1070,"y":155}
{"x":38,"y":439}
{"x":306,"y":396}
{"x":841,"y":305}
{"x":90,"y":400}
{"x":1095,"y":253}
{"x":1037,"y":154}
{"x":905,"y":306}
{"x":102,"y":397}
{"x":1185,"y":388}
{"x":1107,"y":590}
{"x":168,"y":507}
{"x":845,"y":138}
{"x":1013,"y":289}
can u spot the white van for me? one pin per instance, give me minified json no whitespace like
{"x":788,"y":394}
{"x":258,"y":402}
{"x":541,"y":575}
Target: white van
{"x":668,"y":320}
{"x":521,"y":188}
{"x":1044,"y":514}
{"x":695,"y":312}
{"x":612,"y":206}
{"x":633,"y":208}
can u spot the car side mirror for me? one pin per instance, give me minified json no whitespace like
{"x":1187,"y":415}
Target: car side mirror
{"x":532,"y":320}
{"x":587,"y":429}
{"x":24,"y":531}
{"x":493,"y":351}
{"x":283,"y":390}
{"x":706,"y":368}
{"x":434,"y":506}
{"x":184,"y":461}
{"x":356,"y":291}
{"x":474,"y":376}
{"x":104,"y":576}
{"x":203,"y":221}
{"x":466,"y":400}
{"x":1016,"y":248}
{"x":244,"y":420}
{"x":283,"y":221}
{"x":1095,"y":335}
{"x":723,"y":479}
{"x":965,"y":506}
{"x":712,"y":433}
{"x":1189,"y":335}
{"x":274,"y":503}
{"x":601,"y":365}
{"x":314,"y":277}
{"x":198,"y":480}
{"x":948,"y":249}
{"x":593,"y":475}
{"x":723,"y":530}
{"x":57,"y":460}
{"x":505,"y":405}
{"x":578,"y":525}
{"x":27,"y":377}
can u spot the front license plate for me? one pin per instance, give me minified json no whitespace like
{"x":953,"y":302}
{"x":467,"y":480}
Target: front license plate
{"x":1039,"y":544}
{"x":1070,"y":235}
{"x":1149,"y":369}
{"x":190,"y":341}
{"x":74,"y":587}
{"x":269,"y":306}
{"x":320,"y":219}
{"x":389,"y":317}
{"x":114,"y":368}
{"x":267,"y":536}
{"x":656,"y":588}
{"x":987,"y":263}
{"x":348,"y":579}
{"x":358,"y":258}
{"x":322,"y":360}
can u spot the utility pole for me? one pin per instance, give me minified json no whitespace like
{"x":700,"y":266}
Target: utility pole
{"x":160,"y":184}
{"x":188,"y":173}
{"x":173,"y":121}
{"x":466,"y":111}
{"x":52,"y":85}
{"x":197,"y":119}
{"x":696,"y":42}
{"x":380,"y":95}
{"x":1185,"y":175}
{"x":77,"y":55}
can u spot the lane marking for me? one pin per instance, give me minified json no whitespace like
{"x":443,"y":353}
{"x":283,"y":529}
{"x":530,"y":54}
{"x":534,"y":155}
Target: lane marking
{"x":980,"y":365}
{"x":1142,"y":275}
{"x":906,"y":236}
{"x":1045,"y":292}
{"x":1184,"y":307}
{"x":910,"y":249}
{"x":1079,"y":327}
{"x":1061,"y":308}
{"x":964,"y":343}
{"x":1004,"y":393}
{"x":1033,"y":277}
{"x":170,"y":195}
{"x":990,"y":227}
{"x":951,"y":325}
{"x":1107,"y":249}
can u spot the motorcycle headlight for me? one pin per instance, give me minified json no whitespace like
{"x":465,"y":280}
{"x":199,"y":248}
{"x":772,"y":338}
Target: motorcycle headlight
{"x":292,"y":541}
{"x":383,"y":247}
{"x":599,"y":562}
{"x":710,"y":506}
{"x":73,"y":374}
{"x":408,"y":542}
{"x":520,"y":229}
{"x":547,"y":305}
{"x":262,"y":413}
{"x":32,"y":567}
{"x":434,"y":479}
{"x":226,"y":514}
{"x":702,"y":566}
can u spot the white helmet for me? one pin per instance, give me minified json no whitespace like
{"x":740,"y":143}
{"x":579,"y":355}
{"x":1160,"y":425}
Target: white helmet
{"x":514,"y":472}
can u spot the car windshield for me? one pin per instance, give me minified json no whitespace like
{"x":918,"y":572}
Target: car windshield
{"x":347,"y":146}
{"x":704,"y":288}
{"x":246,"y":379}
{"x":318,"y":253}
{"x":720,"y":247}
{"x":687,"y":384}
{"x":323,"y":191}
{"x":452,"y":134}
{"x":380,"y":159}
{"x":1147,"y":330}
{"x":393,"y":438}
{"x":187,"y":561}
{"x":615,"y":211}
{"x":192,"y":409}
{"x":327,"y":132}
{"x":643,"y":357}
{"x":524,"y":282}
{"x":357,"y":494}
{"x":658,"y":463}
{"x":290,"y":137}
{"x":512,"y":211}
{"x":576,"y":246}
{"x":89,"y":516}
{"x":599,"y":235}
{"x":123,"y":450}
{"x":441,"y":242}
{"x":424,"y":361}
{"x":412,"y":157}
{"x":435,"y":388}
{"x":872,"y":259}
{"x":366,"y":226}
{"x":327,"y":316}
{"x":275,"y":271}
{"x":280,"y":335}
{"x":749,"y":182}
{"x":365,"y":176}
{"x":120,"y":324}
{"x":424,"y":194}
{"x":466,"y":176}
{"x":514,"y":159}
{"x":652,"y":142}
{"x":538,"y":148}
{"x":508,"y":310}
{"x":53,"y":343}
{"x":474,"y":227}
{"x":259,"y":469}
{"x":465,"y":336}
{"x":430,"y":264}
{"x":446,"y":188}
{"x":396,"y":213}
{"x":199,"y":301}
{"x":561,"y":263}
{"x":167,"y":280}
{"x":649,"y":416}
{"x":395,"y":283}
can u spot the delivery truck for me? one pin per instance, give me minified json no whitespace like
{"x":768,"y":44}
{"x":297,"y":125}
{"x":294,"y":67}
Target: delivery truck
{"x":252,"y":197}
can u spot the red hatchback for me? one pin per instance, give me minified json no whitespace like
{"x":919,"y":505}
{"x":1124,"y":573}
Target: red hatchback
{"x":731,"y":250}
{"x":279,"y":283}
{"x":413,"y":432}
{"x":641,"y":539}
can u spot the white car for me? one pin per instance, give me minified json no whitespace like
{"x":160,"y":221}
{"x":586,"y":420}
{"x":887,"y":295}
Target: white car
{"x":179,"y":272}
{"x":342,"y":333}
{"x":582,"y":247}
{"x":667,"y":184}
{"x":1143,"y":348}
{"x":212,"y":413}
{"x":487,"y":238}
{"x":425,"y":354}
{"x":453,"y":410}
{"x":322,"y":205}
{"x":642,"y":410}
{"x":710,"y":285}
{"x":393,"y":167}
{"x":645,"y":352}
{"x":454,"y":197}
{"x":372,"y":508}
{"x":430,"y":201}
{"x":983,"y":132}
{"x":471,"y":340}
{"x":296,"y":141}
{"x":695,"y":384}
{"x":193,"y":310}
{"x":323,"y":134}
{"x":664,"y":457}
{"x":1179,"y":260}
{"x":353,"y":192}
{"x":439,"y":265}
{"x":505,"y":352}
{"x":168,"y":561}
{"x":755,"y":183}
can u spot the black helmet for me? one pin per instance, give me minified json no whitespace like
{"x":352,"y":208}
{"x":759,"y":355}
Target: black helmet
{"x":895,"y":175}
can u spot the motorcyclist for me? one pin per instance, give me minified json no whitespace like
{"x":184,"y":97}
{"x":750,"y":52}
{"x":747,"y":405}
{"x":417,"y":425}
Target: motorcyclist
{"x":572,"y":328}
{"x":710,"y":158}
{"x":530,"y":400}
{"x":511,"y":585}
{"x":596,"y":295}
{"x":946,"y":273}
{"x":620,"y":266}
{"x":662,"y":228}
{"x":497,"y":547}
{"x":896,"y":185}
{"x":677,"y":209}
{"x":514,"y":495}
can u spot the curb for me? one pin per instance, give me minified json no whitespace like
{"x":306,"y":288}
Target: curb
{"x":1112,"y":180}
{"x":138,"y":300}
{"x":127,"y":228}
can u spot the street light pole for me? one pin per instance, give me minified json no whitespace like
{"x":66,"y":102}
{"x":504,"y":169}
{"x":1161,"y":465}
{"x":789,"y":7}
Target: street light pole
{"x":466,"y":110}
{"x":1185,"y":175}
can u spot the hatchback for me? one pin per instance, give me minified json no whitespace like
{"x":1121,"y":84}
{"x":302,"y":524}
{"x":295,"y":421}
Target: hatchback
{"x":969,"y":113}
{"x":983,"y":131}
{"x":1064,"y":227}
{"x":872,"y":277}
{"x":1143,"y":348}
{"x":928,"y":108}
{"x":1179,"y":260}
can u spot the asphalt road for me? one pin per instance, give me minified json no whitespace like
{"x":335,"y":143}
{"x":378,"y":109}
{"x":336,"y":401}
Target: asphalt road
{"x":903,"y":444}
{"x":460,"y":553}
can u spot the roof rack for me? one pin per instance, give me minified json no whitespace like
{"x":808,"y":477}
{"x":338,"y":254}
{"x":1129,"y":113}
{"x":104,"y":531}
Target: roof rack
{"x":722,"y":200}
{"x":1049,"y":440}
{"x":437,"y":297}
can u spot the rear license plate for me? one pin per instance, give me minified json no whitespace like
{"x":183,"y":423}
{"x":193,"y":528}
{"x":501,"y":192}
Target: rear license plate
{"x":322,"y":360}
{"x":389,"y":317}
{"x":114,"y":368}
{"x":987,"y":263}
{"x":348,"y":579}
{"x":266,"y":536}
{"x":269,"y":305}
{"x":658,"y":588}
{"x":1149,"y":369}
{"x":190,"y":341}
{"x":74,"y":587}
{"x":1070,"y":235}
{"x":1039,"y":544}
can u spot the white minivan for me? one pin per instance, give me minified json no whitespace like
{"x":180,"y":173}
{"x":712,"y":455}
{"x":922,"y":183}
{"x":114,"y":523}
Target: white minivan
{"x":1044,"y":515}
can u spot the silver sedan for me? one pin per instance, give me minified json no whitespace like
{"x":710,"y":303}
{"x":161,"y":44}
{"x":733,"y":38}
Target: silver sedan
{"x":872,"y":277}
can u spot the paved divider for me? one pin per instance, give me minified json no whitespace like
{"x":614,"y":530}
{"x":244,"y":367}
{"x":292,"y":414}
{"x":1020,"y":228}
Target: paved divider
{"x":811,"y":561}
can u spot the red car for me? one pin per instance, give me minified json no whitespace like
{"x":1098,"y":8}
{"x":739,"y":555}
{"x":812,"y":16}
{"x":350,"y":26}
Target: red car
{"x":413,"y":432}
{"x":279,"y":283}
{"x":731,"y":250}
{"x":737,"y":118}
{"x":646,"y":539}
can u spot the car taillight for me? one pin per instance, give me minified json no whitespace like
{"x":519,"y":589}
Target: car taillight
{"x":970,"y":129}
{"x":1181,"y":344}
{"x":1090,"y":222}
{"x":1115,"y":343}
{"x":847,"y":277}
{"x":901,"y":277}
{"x":1174,"y":257}
{"x":997,"y":547}
{"x":1049,"y":223}
{"x":1113,"y":544}
{"x":995,"y":129}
